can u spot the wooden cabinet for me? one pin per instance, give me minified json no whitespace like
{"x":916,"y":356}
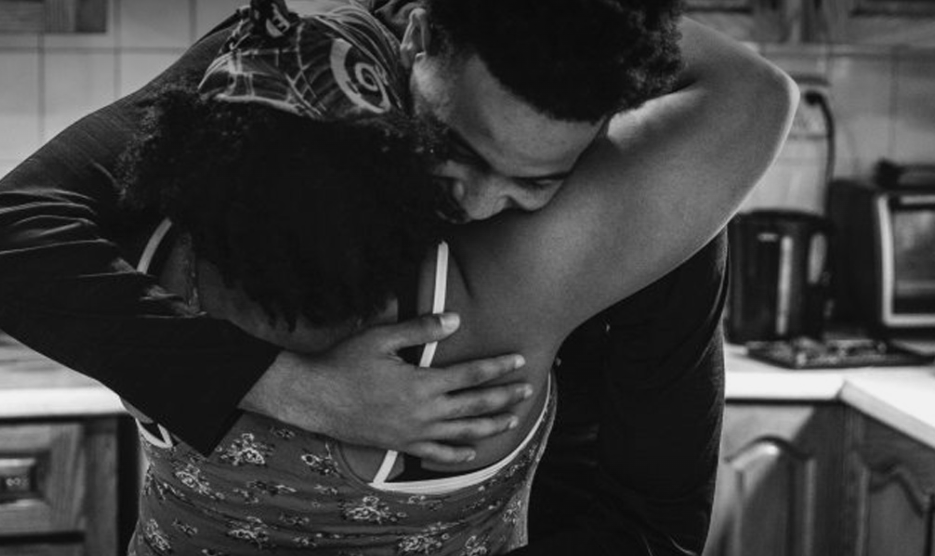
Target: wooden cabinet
{"x":779,"y":481}
{"x":820,"y":479}
{"x":63,"y":485}
{"x":890,"y":489}
{"x":69,"y":465}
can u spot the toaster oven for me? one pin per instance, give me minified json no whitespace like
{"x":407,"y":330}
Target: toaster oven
{"x":883,"y":254}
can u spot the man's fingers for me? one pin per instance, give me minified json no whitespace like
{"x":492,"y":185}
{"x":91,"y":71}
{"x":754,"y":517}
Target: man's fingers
{"x":471,"y":374}
{"x":486,"y":401}
{"x":416,"y":332}
{"x":441,"y":453}
{"x":464,"y":430}
{"x":469,"y":430}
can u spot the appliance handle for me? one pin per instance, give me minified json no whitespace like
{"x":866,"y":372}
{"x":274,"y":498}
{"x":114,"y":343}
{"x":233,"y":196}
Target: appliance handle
{"x":784,"y":286}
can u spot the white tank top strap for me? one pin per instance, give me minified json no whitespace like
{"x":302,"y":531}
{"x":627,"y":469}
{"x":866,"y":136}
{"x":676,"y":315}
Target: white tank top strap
{"x":164,"y":438}
{"x":152,"y":245}
{"x":428,"y":353}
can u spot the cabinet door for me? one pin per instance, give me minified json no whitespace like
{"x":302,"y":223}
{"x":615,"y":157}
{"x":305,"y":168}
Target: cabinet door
{"x":42,"y":470}
{"x":59,"y":487}
{"x":749,"y":20}
{"x":872,"y":22}
{"x":891,"y":480}
{"x":778,"y":482}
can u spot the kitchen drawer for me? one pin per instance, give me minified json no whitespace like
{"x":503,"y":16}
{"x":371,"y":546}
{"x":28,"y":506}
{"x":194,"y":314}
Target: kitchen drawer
{"x":42,"y":480}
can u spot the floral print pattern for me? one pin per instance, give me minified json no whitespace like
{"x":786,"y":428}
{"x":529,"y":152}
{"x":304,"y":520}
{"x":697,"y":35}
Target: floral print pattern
{"x":246,"y":450}
{"x":370,"y":510}
{"x":429,"y":541}
{"x":156,"y":538}
{"x":268,"y":491}
{"x":323,"y":464}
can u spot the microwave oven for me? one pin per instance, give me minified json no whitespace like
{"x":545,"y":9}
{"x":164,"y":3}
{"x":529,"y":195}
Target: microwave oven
{"x":883,"y":255}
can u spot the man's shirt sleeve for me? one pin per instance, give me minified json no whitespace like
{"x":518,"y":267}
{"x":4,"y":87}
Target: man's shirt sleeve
{"x":67,"y":290}
{"x":631,"y":465}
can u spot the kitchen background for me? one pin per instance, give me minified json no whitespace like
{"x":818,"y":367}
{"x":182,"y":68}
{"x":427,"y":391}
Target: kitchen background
{"x":812,"y":462}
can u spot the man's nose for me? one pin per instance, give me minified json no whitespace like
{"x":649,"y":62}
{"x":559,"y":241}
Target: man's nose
{"x":480,"y":198}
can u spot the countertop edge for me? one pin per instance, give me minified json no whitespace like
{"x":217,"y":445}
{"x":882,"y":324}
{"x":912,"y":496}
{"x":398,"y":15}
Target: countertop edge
{"x":900,"y":397}
{"x":50,"y":403}
{"x":903,"y":398}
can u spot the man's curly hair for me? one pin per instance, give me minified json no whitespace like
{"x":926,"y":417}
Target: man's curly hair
{"x":322,"y":220}
{"x":575,"y":60}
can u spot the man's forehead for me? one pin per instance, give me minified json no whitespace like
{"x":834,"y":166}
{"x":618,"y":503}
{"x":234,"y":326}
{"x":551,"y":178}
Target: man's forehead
{"x":468,"y":106}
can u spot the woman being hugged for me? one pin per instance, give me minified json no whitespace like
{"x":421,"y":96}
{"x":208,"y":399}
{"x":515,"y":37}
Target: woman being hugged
{"x":300,"y":212}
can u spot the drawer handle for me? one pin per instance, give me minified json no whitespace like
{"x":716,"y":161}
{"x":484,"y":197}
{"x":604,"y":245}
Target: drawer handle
{"x":18,"y":479}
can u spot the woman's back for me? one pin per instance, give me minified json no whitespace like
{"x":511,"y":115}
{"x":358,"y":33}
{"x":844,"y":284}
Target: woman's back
{"x":269,"y":485}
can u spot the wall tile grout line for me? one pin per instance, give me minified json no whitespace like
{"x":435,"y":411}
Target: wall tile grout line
{"x":41,"y":124}
{"x":896,"y":62}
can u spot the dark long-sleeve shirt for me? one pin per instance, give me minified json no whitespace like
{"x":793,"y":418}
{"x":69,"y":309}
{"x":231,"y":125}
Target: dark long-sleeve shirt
{"x":630,"y":468}
{"x":631,"y":464}
{"x":67,"y":291}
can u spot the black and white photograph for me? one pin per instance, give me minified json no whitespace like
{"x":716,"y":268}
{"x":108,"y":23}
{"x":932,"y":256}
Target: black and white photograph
{"x":467,"y":277}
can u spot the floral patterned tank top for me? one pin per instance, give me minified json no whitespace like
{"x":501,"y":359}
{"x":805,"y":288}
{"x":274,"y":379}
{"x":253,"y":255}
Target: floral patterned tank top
{"x":273,"y":488}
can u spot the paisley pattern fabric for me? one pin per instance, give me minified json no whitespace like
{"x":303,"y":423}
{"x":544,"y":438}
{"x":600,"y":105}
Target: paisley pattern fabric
{"x":329,"y":66}
{"x":272,"y":488}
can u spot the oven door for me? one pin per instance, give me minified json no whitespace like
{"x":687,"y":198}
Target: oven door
{"x":907,"y":257}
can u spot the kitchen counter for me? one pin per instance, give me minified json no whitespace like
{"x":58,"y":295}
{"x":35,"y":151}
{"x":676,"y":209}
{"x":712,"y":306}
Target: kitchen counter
{"x":34,"y":386}
{"x":901,"y":397}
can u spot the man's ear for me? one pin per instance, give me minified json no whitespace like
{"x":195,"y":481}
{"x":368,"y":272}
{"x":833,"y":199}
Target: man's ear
{"x":416,"y":38}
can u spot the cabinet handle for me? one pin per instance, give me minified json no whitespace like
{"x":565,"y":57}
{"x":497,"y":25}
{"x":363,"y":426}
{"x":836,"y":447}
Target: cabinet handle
{"x":18,"y":479}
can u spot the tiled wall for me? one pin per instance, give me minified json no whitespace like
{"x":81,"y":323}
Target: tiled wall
{"x":49,"y":81}
{"x":883,"y":99}
{"x":883,"y":102}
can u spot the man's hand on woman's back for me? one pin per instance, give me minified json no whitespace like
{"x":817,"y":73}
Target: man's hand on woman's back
{"x":362,"y":392}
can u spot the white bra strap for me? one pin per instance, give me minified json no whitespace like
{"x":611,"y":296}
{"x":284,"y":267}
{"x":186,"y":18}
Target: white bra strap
{"x":428,"y":353}
{"x":438,"y":302}
{"x":153,"y":244}
{"x":146,"y":259}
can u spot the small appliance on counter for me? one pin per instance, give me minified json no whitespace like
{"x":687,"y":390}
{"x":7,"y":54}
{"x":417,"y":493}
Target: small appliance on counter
{"x":778,"y":275}
{"x":884,"y":250}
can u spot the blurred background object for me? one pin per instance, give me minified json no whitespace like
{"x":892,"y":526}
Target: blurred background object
{"x":53,"y":16}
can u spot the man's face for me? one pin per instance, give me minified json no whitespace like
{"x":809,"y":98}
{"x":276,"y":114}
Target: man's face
{"x":501,"y":152}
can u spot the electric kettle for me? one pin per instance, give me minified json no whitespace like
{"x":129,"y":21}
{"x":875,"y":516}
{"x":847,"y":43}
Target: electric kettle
{"x":779,"y":275}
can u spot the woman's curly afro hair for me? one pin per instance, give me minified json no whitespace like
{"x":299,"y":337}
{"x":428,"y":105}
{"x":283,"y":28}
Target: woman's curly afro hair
{"x":576,"y":60}
{"x":322,"y":220}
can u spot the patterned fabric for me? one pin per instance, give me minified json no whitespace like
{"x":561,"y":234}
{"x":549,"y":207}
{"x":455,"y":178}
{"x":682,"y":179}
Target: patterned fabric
{"x":272,"y":488}
{"x":330,"y":66}
{"x":269,"y":486}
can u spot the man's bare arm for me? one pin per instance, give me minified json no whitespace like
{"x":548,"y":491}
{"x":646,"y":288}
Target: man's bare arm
{"x":662,"y":183}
